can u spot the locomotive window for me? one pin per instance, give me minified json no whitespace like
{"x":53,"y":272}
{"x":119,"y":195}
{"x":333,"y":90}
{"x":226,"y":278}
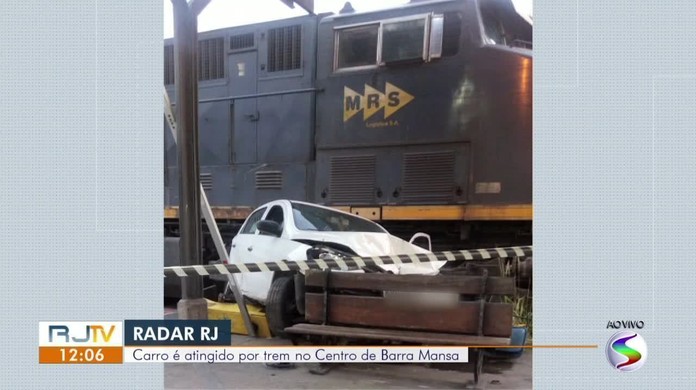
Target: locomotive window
{"x":495,"y":32}
{"x":403,"y":41}
{"x":357,"y":46}
{"x":423,"y":37}
{"x":451,"y":33}
{"x":505,"y":26}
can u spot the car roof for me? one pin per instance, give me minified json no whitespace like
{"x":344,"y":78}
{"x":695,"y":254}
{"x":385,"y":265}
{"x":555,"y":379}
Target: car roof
{"x":290,"y":202}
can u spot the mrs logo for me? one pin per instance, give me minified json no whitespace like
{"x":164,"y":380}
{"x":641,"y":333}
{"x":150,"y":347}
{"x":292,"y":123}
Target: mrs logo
{"x":371,"y":101}
{"x":626,"y":351}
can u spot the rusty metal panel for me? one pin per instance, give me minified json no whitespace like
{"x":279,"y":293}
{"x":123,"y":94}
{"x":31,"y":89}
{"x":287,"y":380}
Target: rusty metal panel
{"x":402,"y":335}
{"x":377,"y":312}
{"x":373,"y":213}
{"x":462,"y":284}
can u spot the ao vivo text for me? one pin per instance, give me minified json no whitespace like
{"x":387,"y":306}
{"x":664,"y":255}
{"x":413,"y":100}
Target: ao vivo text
{"x":625,"y":325}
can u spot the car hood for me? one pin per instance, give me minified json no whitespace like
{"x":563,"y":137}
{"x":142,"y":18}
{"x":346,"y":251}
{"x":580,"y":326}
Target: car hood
{"x":375,"y":244}
{"x":364,"y":244}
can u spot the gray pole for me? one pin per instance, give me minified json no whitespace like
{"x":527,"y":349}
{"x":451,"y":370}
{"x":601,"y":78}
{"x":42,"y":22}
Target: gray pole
{"x":192,"y":305}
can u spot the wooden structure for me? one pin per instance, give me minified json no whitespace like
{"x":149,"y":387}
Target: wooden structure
{"x":342,"y":306}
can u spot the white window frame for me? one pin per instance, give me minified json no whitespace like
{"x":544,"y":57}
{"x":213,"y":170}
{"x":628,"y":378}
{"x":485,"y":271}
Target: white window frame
{"x":337,"y":31}
{"x":426,"y":33}
{"x":427,"y":54}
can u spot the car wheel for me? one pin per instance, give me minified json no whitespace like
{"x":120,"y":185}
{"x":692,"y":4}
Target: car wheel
{"x":281,"y":309}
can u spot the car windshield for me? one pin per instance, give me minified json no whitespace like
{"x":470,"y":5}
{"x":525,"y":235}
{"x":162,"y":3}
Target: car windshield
{"x":316,"y":218}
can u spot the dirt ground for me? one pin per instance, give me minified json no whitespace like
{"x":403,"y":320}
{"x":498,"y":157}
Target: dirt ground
{"x":500,"y":375}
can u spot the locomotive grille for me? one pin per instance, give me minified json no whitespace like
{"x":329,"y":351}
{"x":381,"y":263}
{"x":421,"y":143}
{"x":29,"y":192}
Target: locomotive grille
{"x":284,"y":48}
{"x":428,"y":177}
{"x":169,"y":64}
{"x":352,"y":179}
{"x":211,"y":59}
{"x":269,"y":180}
{"x":207,"y":181}
{"x":241,"y":41}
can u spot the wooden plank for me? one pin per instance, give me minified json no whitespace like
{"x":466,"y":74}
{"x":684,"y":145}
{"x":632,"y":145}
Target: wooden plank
{"x":379,"y":313}
{"x":427,"y":338}
{"x":461,"y":284}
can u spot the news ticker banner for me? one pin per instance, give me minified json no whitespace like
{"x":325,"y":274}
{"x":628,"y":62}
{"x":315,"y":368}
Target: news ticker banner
{"x":205,"y":341}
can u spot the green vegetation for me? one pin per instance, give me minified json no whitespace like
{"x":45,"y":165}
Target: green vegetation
{"x":522,"y":312}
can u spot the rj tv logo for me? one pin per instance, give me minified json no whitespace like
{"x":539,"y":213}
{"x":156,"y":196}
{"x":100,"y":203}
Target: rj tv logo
{"x":626,"y":351}
{"x":93,"y":333}
{"x":81,"y":333}
{"x":391,"y":100}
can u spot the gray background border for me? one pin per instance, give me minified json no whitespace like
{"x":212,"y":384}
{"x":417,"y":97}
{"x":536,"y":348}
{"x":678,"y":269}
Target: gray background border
{"x":81,"y":212}
{"x":81,"y":184}
{"x":614,"y":192}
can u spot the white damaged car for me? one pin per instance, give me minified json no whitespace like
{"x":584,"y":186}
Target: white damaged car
{"x":292,"y":230}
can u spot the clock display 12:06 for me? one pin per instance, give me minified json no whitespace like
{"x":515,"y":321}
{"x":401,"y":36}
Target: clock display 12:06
{"x":77,"y":355}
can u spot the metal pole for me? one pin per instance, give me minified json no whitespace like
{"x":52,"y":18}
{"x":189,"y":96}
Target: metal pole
{"x":233,"y":282}
{"x":192,"y":304}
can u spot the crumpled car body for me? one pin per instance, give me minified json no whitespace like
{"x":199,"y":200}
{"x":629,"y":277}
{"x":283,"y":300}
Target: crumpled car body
{"x":304,"y":227}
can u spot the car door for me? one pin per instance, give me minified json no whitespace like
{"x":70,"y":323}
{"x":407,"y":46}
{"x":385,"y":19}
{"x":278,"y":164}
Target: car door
{"x":252,"y":285}
{"x":245,"y":237}
{"x":250,"y":246}
{"x":258,"y":247}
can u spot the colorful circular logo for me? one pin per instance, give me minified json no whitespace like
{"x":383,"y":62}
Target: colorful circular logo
{"x":627,"y":351}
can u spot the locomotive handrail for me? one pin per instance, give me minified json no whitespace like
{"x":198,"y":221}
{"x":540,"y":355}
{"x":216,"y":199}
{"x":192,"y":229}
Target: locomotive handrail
{"x":257,"y":95}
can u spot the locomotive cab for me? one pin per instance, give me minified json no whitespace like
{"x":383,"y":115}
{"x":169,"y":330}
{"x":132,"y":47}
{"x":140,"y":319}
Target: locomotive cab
{"x":425,"y":115}
{"x":418,"y":117}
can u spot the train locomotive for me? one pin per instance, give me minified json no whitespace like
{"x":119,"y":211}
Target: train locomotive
{"x":418,"y":117}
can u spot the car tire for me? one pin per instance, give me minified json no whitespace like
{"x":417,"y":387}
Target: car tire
{"x":281,"y":309}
